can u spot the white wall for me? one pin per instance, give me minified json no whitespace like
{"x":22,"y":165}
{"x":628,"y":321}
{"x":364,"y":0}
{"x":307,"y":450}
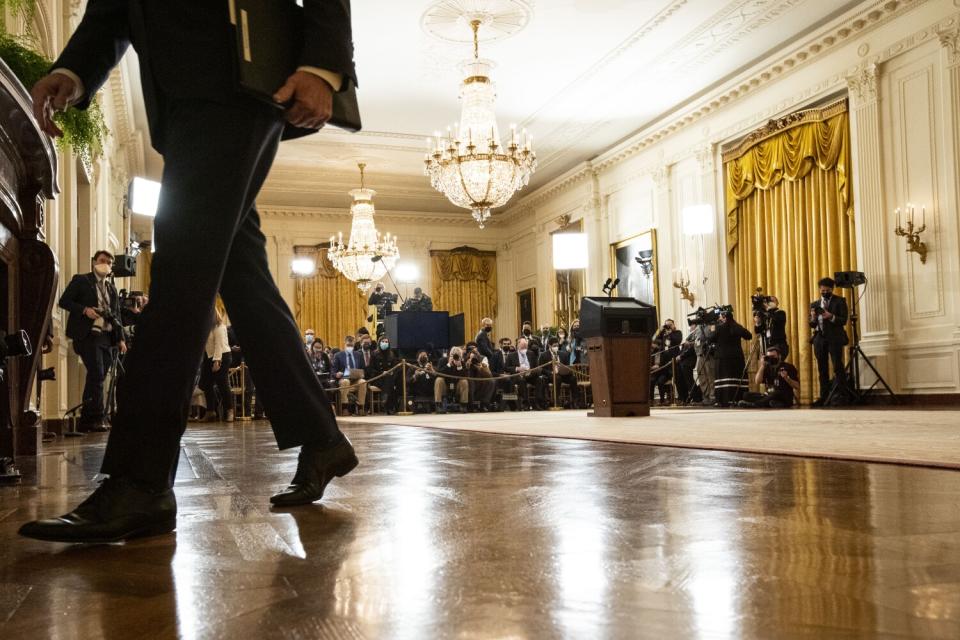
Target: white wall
{"x":899,"y":64}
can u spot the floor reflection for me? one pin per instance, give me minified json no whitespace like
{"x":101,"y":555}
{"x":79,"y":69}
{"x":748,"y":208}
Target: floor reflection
{"x":465,"y":535}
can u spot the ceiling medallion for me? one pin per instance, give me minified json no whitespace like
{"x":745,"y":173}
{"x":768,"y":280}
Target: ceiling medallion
{"x":450,"y":20}
{"x":468,"y":164}
{"x":366,"y":257}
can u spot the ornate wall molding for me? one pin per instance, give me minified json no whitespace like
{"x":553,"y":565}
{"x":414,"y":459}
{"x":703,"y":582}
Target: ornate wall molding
{"x":864,"y":85}
{"x":950,"y":40}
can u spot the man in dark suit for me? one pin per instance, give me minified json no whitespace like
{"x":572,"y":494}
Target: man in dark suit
{"x":96,"y":330}
{"x":418,"y":302}
{"x":349,"y":371}
{"x":218,"y":146}
{"x":521,"y":362}
{"x":484,"y":341}
{"x":828,"y":319}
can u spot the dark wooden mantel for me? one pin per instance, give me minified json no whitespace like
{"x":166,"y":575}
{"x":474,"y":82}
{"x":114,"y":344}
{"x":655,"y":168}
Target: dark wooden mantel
{"x":28,"y":268}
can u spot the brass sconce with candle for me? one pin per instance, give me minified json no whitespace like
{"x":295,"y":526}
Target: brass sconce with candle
{"x":912,"y":232}
{"x":681,"y":280}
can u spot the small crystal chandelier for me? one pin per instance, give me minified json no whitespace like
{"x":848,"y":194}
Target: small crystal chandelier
{"x":469,"y":165}
{"x":366,"y":257}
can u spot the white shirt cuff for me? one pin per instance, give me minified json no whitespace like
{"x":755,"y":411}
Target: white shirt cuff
{"x":79,"y":91}
{"x":333,"y":78}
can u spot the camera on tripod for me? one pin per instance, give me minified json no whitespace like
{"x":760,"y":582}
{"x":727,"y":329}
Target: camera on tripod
{"x":759,"y":302}
{"x":708,"y":316}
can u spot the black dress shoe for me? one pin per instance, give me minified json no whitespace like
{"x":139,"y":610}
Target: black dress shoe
{"x":316,"y":467}
{"x":117,"y":510}
{"x":819,"y":402}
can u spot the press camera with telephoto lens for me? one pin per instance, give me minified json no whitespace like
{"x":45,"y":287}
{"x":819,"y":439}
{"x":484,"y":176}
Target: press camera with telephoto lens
{"x":708,"y":316}
{"x":759,"y":302}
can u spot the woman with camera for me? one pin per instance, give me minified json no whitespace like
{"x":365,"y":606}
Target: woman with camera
{"x":214,"y":377}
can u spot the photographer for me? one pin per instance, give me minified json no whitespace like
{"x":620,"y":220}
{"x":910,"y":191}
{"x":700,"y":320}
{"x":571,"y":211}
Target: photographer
{"x":731,"y":365}
{"x":781,"y":381}
{"x":482,"y":389}
{"x":828,"y":319}
{"x":95,"y":328}
{"x":667,"y":341}
{"x":421,"y":379}
{"x":686,"y":362}
{"x":454,"y":370}
{"x":705,"y":350}
{"x":770,"y":322}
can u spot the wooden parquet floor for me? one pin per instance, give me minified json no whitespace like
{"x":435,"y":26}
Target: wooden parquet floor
{"x":442,"y":534}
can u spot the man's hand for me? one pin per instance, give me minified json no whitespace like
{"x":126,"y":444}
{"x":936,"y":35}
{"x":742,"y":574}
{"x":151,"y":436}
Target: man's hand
{"x":784,"y":374}
{"x":312,"y":100}
{"x":123,"y":347}
{"x":91,"y":313}
{"x":339,"y":374}
{"x":827,"y":315}
{"x":216,"y":366}
{"x":51,"y":94}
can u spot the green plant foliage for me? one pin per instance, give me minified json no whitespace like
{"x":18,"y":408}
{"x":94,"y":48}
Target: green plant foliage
{"x":83,"y":131}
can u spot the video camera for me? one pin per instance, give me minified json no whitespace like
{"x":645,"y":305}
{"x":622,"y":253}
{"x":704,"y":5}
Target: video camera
{"x":759,"y":302}
{"x":710,"y":315}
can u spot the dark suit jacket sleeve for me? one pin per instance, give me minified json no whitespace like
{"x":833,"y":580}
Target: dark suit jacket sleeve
{"x":96,"y":47}
{"x":328,"y":38}
{"x":841,"y":312}
{"x":339,"y":362}
{"x":484,"y":346}
{"x":70,"y":300}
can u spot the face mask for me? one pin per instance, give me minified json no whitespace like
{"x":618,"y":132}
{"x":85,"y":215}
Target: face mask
{"x":102,"y":270}
{"x":554,"y":349}
{"x":384,"y":346}
{"x":367,"y":346}
{"x":456,"y":358}
{"x":669,"y":327}
{"x":348,"y":349}
{"x":526,"y":332}
{"x":562,"y":337}
{"x":310,"y":338}
{"x":827,"y":295}
{"x":488,"y":329}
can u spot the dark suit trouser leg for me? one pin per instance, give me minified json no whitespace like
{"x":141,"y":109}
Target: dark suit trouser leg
{"x":216,"y":159}
{"x":94,"y":352}
{"x":821,"y":351}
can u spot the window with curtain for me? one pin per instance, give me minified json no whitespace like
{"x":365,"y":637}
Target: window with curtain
{"x":329,"y":303}
{"x":465,"y":281}
{"x":789,"y":219}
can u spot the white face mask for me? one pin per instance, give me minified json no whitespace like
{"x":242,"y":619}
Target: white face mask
{"x":523,"y":351}
{"x":310,"y":338}
{"x":554,"y":349}
{"x":348,"y":349}
{"x":102,"y":270}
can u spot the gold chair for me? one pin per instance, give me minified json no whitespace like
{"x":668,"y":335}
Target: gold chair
{"x":236,"y":379}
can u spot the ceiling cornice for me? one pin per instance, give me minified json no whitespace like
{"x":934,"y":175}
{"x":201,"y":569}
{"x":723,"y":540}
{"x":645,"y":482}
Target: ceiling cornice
{"x":857,"y":21}
{"x":269,"y":212}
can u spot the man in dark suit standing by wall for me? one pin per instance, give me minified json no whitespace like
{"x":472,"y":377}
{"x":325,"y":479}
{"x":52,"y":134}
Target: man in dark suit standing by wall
{"x":828,"y":319}
{"x":218,"y":146}
{"x":95,"y":328}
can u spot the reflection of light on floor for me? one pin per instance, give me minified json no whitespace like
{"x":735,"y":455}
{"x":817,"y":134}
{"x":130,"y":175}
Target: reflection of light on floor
{"x":406,"y":546}
{"x":713,"y":570}
{"x":184,"y":586}
{"x":580,"y":522}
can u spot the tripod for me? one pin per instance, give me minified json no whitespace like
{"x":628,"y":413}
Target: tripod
{"x":849,"y":383}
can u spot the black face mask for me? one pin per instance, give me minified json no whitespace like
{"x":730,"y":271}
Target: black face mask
{"x":527,"y":332}
{"x":488,"y":329}
{"x":422,"y":361}
{"x":827,"y":295}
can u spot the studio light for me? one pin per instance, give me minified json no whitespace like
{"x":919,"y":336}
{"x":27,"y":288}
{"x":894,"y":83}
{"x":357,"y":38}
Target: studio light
{"x":407,"y":273}
{"x":144,"y":196}
{"x":570,"y":251}
{"x":303,"y":267}
{"x":697,"y":220}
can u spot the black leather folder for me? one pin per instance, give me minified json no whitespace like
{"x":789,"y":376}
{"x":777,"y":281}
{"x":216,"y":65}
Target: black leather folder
{"x":269,"y":38}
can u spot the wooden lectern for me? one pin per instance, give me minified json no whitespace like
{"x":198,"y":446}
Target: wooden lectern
{"x":618,"y":333}
{"x":28,"y":268}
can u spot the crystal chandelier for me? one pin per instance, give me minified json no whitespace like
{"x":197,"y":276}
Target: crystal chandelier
{"x":469,"y":165}
{"x":366,"y":257}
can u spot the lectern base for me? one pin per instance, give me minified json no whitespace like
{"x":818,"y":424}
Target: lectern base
{"x":621,"y":411}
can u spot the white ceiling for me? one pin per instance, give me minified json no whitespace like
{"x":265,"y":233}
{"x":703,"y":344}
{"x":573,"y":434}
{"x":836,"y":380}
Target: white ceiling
{"x":581,"y":76}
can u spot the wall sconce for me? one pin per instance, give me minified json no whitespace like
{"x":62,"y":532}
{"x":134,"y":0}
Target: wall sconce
{"x":914,"y":244}
{"x":681,"y":280}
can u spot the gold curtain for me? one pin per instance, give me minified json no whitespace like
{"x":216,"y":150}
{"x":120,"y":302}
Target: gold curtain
{"x":790,"y":219}
{"x":329,"y":303}
{"x":466,"y":282}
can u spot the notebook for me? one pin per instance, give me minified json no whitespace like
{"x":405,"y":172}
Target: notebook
{"x":269,"y":38}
